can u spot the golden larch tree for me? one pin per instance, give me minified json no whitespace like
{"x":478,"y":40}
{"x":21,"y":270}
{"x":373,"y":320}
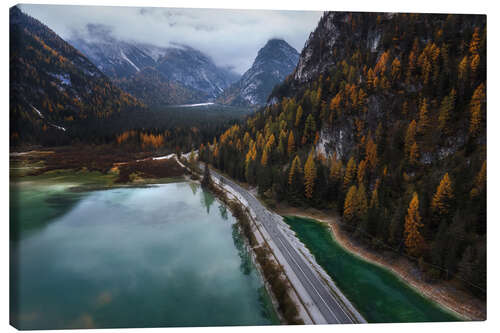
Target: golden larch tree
{"x":441,"y":201}
{"x":291,"y":143}
{"x":414,"y":241}
{"x":294,"y":170}
{"x":335,"y":168}
{"x":414,"y":154}
{"x":350,"y":172}
{"x":309,"y":175}
{"x":479,"y":181}
{"x":350,"y":204}
{"x":423,"y":117}
{"x":361,"y":202}
{"x":475,"y":41}
{"x":411,"y":133}
{"x":476,"y":109}
{"x":298,"y":116}
{"x":361,"y":171}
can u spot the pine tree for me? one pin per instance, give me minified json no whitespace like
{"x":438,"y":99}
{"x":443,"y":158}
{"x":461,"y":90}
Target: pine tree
{"x":371,"y":153}
{"x":298,"y":116}
{"x":447,"y":106}
{"x":414,"y":154}
{"x":474,"y":64}
{"x":476,"y":109}
{"x":361,"y":171}
{"x":442,"y":200}
{"x":361,"y":202}
{"x":395,"y":70}
{"x":463,"y":68}
{"x":413,"y":239}
{"x":374,"y":199}
{"x":309,"y":175}
{"x":294,"y":169}
{"x":335,"y":169}
{"x":291,"y":144}
{"x":479,"y":181}
{"x":310,"y":128}
{"x":423,"y":118}
{"x":350,"y":172}
{"x":350,"y":209}
{"x":474,"y":43}
{"x":411,"y":133}
{"x":263,"y":160}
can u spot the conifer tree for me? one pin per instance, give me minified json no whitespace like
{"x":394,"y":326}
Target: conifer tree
{"x":335,"y":169}
{"x":463,"y":68}
{"x":395,"y":70}
{"x":414,"y":154}
{"x":442,"y":199}
{"x":423,"y":118}
{"x":350,"y":204}
{"x":374,"y":199}
{"x":291,"y":144}
{"x":263,"y":160}
{"x":294,"y":169}
{"x":476,"y":109}
{"x":413,"y":239}
{"x":447,"y":106}
{"x":474,"y":43}
{"x":309,"y":175}
{"x":361,"y":202}
{"x":371,"y":153}
{"x":361,"y":171}
{"x":298,"y":116}
{"x":411,"y":133}
{"x":479,"y":181}
{"x":350,"y":172}
{"x":310,"y":128}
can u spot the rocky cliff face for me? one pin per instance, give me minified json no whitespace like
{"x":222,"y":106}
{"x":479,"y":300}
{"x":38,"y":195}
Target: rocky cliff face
{"x":274,"y":62}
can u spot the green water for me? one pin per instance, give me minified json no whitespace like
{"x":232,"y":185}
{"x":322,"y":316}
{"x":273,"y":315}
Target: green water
{"x":379,"y":295}
{"x":164,"y":255}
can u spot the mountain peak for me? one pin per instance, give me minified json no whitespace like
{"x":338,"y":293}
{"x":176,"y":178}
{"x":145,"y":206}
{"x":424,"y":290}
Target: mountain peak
{"x":274,"y":61}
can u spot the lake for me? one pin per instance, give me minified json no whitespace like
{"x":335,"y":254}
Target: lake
{"x":161,"y":255}
{"x":378,"y":294}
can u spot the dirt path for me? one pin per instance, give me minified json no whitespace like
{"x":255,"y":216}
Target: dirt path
{"x":445,"y":294}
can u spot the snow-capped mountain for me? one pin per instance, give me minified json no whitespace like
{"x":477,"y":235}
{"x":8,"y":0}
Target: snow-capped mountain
{"x":180,"y":65}
{"x":274,"y":62}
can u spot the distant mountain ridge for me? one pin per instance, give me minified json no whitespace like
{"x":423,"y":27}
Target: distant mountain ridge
{"x":274,"y":62}
{"x":191,"y":74}
{"x":53,"y":86}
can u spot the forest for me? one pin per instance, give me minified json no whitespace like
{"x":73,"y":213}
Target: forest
{"x":389,"y":133}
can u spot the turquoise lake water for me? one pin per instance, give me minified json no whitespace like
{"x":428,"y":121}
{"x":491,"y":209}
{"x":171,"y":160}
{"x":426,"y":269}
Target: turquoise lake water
{"x":378,"y":294}
{"x":165,"y":255}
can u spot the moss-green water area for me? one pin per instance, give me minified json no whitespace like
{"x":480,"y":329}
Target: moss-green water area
{"x":378,"y":294}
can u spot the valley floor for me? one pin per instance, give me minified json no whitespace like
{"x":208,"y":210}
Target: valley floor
{"x":443,"y":293}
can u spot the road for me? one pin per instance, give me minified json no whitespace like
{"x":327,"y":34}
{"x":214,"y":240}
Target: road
{"x":333,"y":310}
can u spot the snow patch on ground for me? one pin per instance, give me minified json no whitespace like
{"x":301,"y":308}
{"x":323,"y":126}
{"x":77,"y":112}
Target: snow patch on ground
{"x":129,"y":61}
{"x":194,"y":105}
{"x":58,"y":127}
{"x":37,"y":111}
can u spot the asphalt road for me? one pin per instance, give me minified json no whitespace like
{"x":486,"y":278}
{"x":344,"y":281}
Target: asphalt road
{"x":332,"y":309}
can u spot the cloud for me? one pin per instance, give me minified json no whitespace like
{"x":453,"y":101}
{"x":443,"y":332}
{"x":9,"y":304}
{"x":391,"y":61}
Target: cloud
{"x":231,"y":37}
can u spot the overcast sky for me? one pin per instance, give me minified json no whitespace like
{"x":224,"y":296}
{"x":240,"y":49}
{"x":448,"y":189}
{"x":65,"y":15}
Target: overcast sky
{"x":231,"y":37}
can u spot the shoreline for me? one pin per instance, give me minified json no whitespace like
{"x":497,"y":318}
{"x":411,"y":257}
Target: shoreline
{"x":443,"y":294}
